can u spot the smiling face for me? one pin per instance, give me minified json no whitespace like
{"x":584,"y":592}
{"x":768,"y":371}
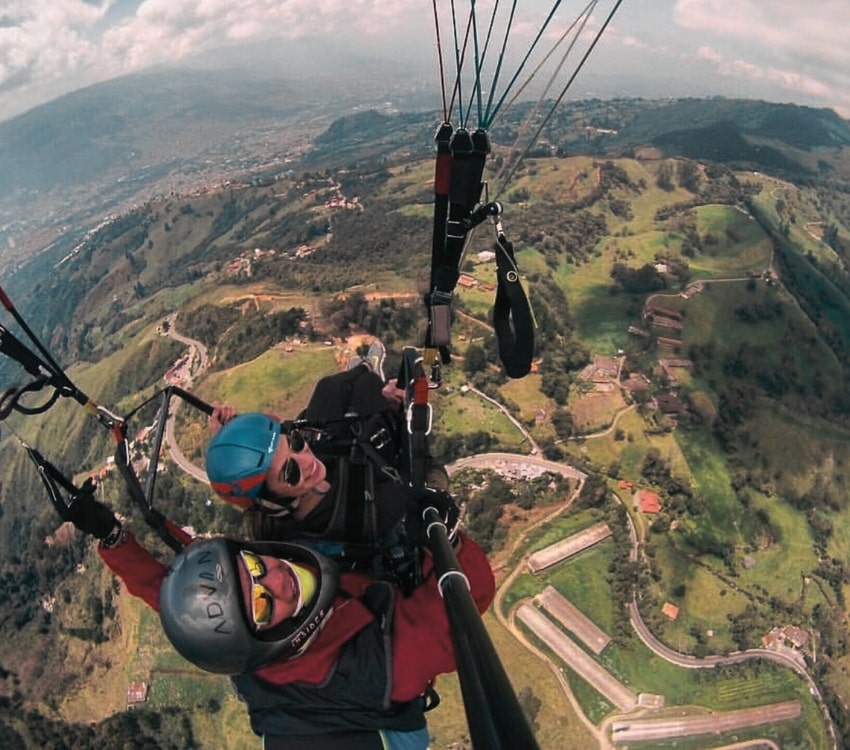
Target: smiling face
{"x":271,"y":589}
{"x":295,"y":470}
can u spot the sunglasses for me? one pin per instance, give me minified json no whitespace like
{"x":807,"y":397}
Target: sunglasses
{"x":262,"y":601}
{"x":291,"y":471}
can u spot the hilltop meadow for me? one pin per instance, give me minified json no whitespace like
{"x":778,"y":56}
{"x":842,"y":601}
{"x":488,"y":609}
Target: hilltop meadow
{"x":692,"y":342}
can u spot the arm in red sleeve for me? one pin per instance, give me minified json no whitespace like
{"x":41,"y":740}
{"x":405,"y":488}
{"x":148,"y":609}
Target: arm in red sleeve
{"x":422,"y":642}
{"x":140,"y":571}
{"x":482,"y":584}
{"x":179,"y":533}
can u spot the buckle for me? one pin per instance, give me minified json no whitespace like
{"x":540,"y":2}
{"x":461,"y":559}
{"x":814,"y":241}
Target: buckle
{"x":440,"y":311}
{"x":381,"y":438}
{"x":411,"y":416}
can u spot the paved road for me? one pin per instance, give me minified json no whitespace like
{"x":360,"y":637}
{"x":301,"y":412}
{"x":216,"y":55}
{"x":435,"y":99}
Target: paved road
{"x":787,"y":658}
{"x":642,"y":730}
{"x":516,"y":463}
{"x":534,"y":448}
{"x":199,"y":353}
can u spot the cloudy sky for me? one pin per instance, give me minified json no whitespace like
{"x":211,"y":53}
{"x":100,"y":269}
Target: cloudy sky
{"x":780,"y":50}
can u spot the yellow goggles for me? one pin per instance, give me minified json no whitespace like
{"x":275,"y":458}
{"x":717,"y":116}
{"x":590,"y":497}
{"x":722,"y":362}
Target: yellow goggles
{"x":261,"y":600}
{"x":254,"y":565}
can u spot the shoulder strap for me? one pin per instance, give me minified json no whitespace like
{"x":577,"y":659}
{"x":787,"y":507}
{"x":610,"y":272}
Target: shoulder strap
{"x":458,"y":185}
{"x":516,"y":343}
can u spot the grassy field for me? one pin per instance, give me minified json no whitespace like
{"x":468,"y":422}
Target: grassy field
{"x":465,"y":412}
{"x":629,"y":452}
{"x":741,"y":246}
{"x":278,"y":381}
{"x":772,"y":536}
{"x":596,"y":410}
{"x":601,"y":316}
{"x":748,"y":685}
{"x":706,"y":603}
{"x":710,"y":477}
{"x":584,"y":581}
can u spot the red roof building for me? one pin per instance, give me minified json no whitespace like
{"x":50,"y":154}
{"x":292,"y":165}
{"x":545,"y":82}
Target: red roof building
{"x":137,"y":692}
{"x":670,"y":610}
{"x":648,"y":502}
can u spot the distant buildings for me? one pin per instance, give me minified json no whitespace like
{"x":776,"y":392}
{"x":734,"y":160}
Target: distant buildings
{"x":648,"y":502}
{"x":136,"y":693}
{"x":670,"y":611}
{"x":568,"y":547}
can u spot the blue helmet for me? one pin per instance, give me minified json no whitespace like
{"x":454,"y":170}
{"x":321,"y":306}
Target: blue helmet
{"x":203,"y":614}
{"x":239,"y":455}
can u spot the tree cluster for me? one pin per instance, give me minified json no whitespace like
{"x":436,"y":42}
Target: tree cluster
{"x":166,"y":729}
{"x":235,"y":335}
{"x":643,"y":280}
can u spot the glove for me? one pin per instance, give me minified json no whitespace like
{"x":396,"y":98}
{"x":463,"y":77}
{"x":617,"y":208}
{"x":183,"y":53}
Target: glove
{"x":91,"y":516}
{"x":446,"y":508}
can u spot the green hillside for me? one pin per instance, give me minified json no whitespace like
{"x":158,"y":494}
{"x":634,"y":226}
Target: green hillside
{"x":719,"y":296}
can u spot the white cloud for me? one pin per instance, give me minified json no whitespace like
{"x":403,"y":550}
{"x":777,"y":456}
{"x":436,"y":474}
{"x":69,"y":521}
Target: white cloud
{"x":780,"y":27}
{"x":46,"y":42}
{"x":800,"y":48}
{"x":710,"y":54}
{"x":48,"y":47}
{"x":42,"y":38}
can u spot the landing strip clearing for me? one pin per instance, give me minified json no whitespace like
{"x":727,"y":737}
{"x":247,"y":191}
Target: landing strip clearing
{"x":568,"y":547}
{"x":574,"y":620}
{"x":577,"y":659}
{"x":641,"y":730}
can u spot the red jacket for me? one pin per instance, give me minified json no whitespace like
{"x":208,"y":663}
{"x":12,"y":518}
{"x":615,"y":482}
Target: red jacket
{"x":422,"y":645}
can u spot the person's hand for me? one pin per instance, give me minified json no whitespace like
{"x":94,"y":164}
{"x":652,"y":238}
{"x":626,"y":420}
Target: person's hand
{"x":392,"y":393}
{"x":221,"y":415}
{"x":446,"y":507}
{"x":91,"y":516}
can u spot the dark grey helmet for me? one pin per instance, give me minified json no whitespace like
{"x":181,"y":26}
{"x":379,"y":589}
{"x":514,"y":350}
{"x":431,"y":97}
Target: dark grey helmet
{"x":202,"y":610}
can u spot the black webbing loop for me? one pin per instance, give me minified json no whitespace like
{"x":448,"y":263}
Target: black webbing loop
{"x":516,"y":342}
{"x":54,"y":482}
{"x":418,"y":414}
{"x":12,"y":347}
{"x":462,"y":175}
{"x":11,"y":397}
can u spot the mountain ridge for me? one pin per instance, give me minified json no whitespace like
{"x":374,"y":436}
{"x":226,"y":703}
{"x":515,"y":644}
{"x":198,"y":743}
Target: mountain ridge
{"x":107,"y":147}
{"x":594,"y":234}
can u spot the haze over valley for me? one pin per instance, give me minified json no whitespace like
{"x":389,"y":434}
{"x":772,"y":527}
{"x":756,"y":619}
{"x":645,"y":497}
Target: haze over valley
{"x":661,"y":497}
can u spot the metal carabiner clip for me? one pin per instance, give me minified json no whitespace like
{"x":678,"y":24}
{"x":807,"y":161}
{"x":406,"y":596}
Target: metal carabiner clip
{"x":410,"y":418}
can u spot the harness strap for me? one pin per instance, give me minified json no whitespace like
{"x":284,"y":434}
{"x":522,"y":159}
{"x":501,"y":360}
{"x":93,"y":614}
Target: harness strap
{"x":442,"y":189}
{"x":419,"y":414}
{"x":460,"y":168}
{"x":516,"y":343}
{"x":438,"y":323}
{"x":12,"y":347}
{"x":10,"y":399}
{"x":458,"y":184}
{"x":153,"y":518}
{"x":55,"y":482}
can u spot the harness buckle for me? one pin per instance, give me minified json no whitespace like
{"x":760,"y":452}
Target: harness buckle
{"x":411,"y":417}
{"x":440,"y":310}
{"x":381,"y":438}
{"x":441,"y":297}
